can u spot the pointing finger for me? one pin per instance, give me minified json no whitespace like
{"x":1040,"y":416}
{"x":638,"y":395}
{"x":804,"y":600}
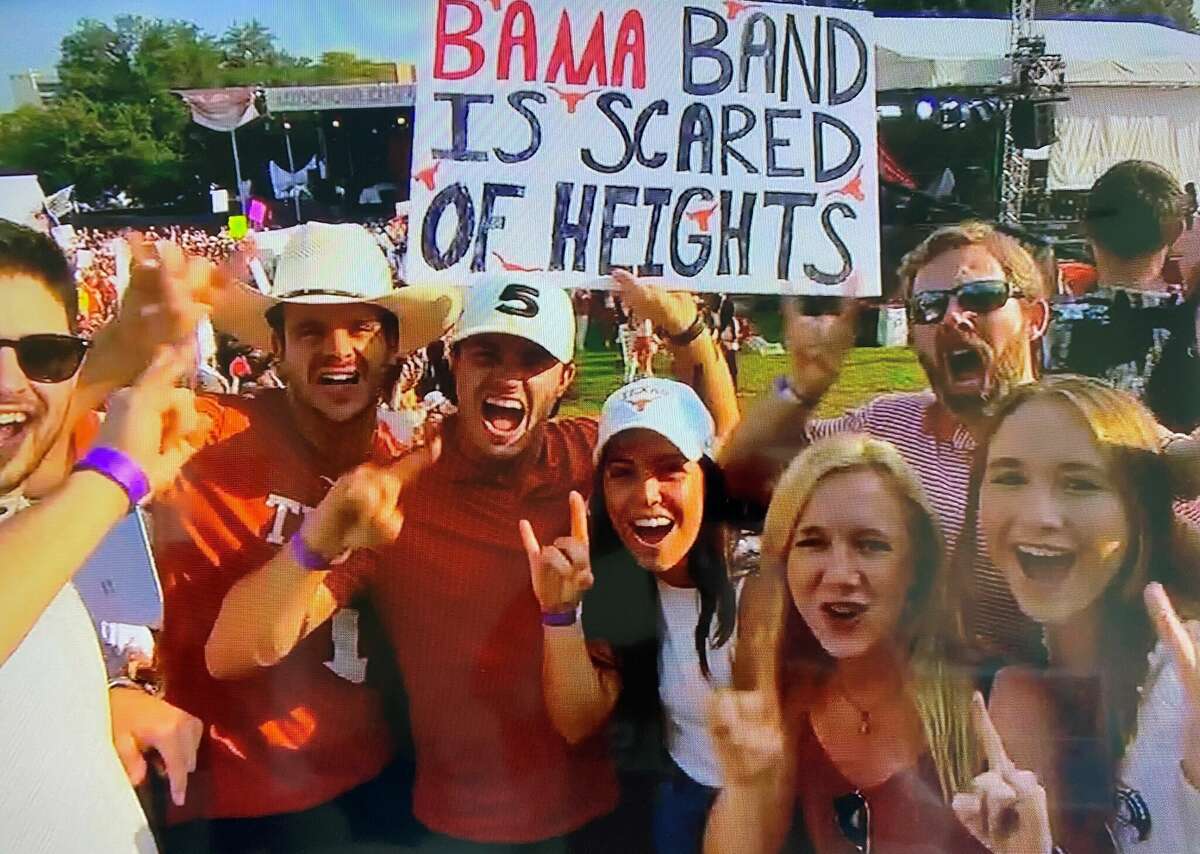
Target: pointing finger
{"x":406,"y":468}
{"x":533,"y":548}
{"x":788,"y":307}
{"x":579,"y":517}
{"x":131,"y":758}
{"x":993,"y":745}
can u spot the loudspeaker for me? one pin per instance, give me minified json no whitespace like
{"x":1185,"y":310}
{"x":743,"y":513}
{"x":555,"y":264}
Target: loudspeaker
{"x":1033,"y":123}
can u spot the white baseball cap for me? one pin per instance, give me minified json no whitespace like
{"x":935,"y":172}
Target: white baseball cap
{"x":514,"y":305}
{"x":338,"y":263}
{"x":671,"y":409}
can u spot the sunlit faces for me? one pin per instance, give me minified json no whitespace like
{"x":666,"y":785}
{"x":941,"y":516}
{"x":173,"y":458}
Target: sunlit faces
{"x":1052,"y":517}
{"x":31,"y":413}
{"x":506,"y":387}
{"x":655,"y":498}
{"x":335,"y":357}
{"x":850,"y":566}
{"x":972,"y":358}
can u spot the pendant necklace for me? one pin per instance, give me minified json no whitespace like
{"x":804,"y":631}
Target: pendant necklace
{"x":864,"y":715}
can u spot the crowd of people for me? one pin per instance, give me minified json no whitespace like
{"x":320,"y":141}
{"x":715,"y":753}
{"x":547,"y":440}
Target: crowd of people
{"x":969,"y":626}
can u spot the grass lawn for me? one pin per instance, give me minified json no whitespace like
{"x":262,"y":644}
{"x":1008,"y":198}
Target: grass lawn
{"x":868,"y":372}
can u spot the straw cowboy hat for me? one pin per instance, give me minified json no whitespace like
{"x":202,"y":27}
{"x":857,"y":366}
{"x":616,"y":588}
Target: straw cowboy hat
{"x":334,"y":264}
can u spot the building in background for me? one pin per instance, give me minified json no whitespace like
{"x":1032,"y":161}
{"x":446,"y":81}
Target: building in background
{"x":33,"y":88}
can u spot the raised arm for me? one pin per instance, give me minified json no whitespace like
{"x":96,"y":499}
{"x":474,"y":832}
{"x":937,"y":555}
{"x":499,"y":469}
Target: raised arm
{"x":42,"y":547}
{"x":697,"y":359}
{"x":579,"y":696}
{"x":774,"y":429}
{"x":268,"y":612}
{"x":168,"y":293}
{"x":754,"y":809}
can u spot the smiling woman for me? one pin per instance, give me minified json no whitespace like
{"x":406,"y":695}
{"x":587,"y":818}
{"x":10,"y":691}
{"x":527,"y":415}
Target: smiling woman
{"x":658,"y":610}
{"x":851,"y":633}
{"x":1073,"y":501}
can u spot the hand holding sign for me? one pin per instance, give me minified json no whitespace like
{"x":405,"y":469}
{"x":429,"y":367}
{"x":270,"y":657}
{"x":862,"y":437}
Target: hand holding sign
{"x":363,"y":510}
{"x":1006,"y":807}
{"x":818,"y":345}
{"x":561,"y":573}
{"x":670,"y":311}
{"x":1183,"y":647}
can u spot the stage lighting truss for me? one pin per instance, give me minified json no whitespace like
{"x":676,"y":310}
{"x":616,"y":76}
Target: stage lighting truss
{"x":1037,"y":74}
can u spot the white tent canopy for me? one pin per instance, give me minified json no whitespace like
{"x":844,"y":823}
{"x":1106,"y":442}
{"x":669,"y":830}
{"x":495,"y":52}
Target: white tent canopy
{"x":1134,"y":87}
{"x":929,"y":53}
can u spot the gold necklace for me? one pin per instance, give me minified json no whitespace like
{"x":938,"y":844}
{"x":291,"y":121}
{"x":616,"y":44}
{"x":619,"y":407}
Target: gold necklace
{"x":864,"y":715}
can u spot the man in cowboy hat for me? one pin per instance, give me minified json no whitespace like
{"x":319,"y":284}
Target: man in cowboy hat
{"x":297,"y":754}
{"x":452,"y":587}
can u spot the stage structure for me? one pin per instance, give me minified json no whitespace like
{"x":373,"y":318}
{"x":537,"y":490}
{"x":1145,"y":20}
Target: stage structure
{"x":1038,"y":81}
{"x":358,"y":135}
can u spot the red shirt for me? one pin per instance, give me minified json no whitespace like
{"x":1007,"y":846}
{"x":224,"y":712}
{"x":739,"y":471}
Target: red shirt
{"x":456,"y":601}
{"x":294,"y":735}
{"x":907,"y":812}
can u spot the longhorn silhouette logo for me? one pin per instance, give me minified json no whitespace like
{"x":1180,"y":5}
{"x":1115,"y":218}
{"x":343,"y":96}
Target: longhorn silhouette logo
{"x":852,"y":188}
{"x":509,"y":266}
{"x":428,"y":175}
{"x":733,"y":8}
{"x":572,"y":99}
{"x":639,"y":397}
{"x":702,"y":216}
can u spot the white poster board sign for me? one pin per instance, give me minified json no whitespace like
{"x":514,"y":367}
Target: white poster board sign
{"x":721,"y":145}
{"x":21,"y":201}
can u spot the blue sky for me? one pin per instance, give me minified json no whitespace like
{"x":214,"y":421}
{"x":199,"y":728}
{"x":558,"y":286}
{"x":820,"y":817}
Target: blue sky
{"x":372,"y":28}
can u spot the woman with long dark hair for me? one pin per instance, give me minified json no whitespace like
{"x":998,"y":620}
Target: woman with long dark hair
{"x":1074,"y":501}
{"x":658,"y":605}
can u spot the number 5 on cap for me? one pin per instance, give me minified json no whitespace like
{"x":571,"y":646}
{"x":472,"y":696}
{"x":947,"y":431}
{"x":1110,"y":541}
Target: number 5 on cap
{"x":525,"y":298}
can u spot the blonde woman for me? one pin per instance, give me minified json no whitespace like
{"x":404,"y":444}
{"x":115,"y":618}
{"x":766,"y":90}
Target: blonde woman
{"x":860,"y":729}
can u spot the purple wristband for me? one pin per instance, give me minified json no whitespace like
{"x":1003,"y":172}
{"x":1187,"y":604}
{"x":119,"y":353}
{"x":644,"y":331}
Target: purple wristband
{"x":119,"y":468}
{"x":306,"y":557}
{"x":559,"y":618}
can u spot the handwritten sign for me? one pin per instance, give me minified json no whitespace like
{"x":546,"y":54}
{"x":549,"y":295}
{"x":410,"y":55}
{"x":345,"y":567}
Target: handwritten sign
{"x":729,"y":146}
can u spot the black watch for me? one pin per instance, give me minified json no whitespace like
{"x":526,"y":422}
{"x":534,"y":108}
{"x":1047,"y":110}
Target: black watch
{"x":690,"y":334}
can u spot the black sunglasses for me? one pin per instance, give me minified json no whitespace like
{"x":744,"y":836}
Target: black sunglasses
{"x":853,"y":816}
{"x":48,"y":358}
{"x":979,"y":296}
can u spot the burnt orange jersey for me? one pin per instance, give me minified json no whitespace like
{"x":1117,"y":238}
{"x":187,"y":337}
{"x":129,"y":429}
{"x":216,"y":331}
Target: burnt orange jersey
{"x":294,"y":735}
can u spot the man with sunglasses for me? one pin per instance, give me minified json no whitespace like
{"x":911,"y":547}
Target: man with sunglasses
{"x":976,"y":305}
{"x":65,"y":789}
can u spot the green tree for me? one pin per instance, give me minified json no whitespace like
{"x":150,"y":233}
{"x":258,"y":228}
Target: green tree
{"x":97,"y":147}
{"x":251,"y":45}
{"x":1178,"y":12}
{"x":117,"y":124}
